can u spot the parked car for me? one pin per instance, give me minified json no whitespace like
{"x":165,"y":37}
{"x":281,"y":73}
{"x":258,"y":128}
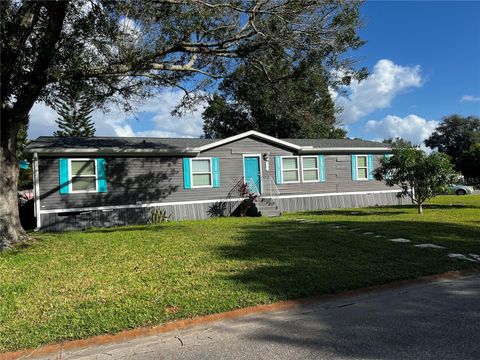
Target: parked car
{"x":460,"y":189}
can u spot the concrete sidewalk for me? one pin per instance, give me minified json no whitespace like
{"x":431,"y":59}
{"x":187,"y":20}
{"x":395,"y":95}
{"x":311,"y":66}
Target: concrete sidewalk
{"x":437,"y":320}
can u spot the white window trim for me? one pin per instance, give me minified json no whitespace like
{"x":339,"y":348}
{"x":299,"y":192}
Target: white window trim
{"x":317,"y":168}
{"x":298,"y":169}
{"x":201,"y":173}
{"x":70,"y":176}
{"x":362,"y":167}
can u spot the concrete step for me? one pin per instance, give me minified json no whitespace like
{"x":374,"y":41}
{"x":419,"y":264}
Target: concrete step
{"x":270,"y":212}
{"x":266,"y":207}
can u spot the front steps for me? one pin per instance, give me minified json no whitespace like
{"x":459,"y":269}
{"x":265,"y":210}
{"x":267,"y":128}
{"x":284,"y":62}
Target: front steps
{"x":267,"y":207}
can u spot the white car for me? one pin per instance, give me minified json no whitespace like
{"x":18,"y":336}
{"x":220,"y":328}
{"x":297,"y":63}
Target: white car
{"x":460,"y":189}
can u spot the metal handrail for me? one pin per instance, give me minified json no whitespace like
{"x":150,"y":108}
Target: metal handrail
{"x":270,"y":189}
{"x":252,"y":186}
{"x":234,"y":198}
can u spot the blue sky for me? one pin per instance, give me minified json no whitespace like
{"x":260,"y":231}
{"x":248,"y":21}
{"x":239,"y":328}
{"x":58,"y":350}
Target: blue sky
{"x":424,"y":60}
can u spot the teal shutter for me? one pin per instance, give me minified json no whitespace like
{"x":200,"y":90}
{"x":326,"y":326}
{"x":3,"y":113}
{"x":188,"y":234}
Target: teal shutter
{"x":354,"y":167}
{"x":187,"y":182}
{"x":321,"y":168}
{"x":216,"y":172}
{"x":63,"y":176}
{"x":102,"y":175}
{"x":370,"y":167}
{"x":278,"y":169}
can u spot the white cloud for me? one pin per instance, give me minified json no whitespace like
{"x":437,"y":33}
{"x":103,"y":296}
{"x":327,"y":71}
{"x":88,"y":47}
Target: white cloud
{"x":42,"y":121}
{"x":469,"y":98}
{"x":188,"y":125}
{"x":411,"y":127}
{"x":154,"y":115}
{"x":377,"y":92}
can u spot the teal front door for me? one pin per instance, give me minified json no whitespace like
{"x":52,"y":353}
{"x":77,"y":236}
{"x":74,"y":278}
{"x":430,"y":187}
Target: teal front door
{"x":251,"y":166}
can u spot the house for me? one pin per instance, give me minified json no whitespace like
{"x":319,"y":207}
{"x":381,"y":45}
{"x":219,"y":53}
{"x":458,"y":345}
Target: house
{"x":110,"y":181}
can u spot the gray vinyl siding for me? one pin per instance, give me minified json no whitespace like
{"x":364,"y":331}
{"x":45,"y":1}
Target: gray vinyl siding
{"x":128,"y":216}
{"x":136,"y":180}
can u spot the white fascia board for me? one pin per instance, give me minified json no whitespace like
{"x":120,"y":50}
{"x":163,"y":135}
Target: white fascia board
{"x":247,"y":134}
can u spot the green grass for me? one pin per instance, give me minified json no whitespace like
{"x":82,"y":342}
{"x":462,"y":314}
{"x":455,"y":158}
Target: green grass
{"x":79,"y":284}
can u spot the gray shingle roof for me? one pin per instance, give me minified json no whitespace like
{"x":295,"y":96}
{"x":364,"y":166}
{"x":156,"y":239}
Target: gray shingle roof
{"x":124,"y":144}
{"x":52,"y":142}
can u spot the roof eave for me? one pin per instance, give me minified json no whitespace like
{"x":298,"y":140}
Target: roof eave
{"x":243,"y":135}
{"x":112,"y":151}
{"x":350,"y":150}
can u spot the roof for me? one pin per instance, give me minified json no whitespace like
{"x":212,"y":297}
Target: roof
{"x":186,"y":146}
{"x":336,"y":143}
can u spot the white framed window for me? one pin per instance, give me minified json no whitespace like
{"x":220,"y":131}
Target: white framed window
{"x":201,"y":172}
{"x":310,"y":169}
{"x":290,"y":169}
{"x":362,"y":167}
{"x":82,"y":175}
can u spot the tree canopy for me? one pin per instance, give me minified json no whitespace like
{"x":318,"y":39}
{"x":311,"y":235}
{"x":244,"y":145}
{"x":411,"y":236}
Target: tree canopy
{"x":398,"y":142}
{"x":420,"y":176}
{"x":123,"y":50}
{"x":455,"y":135}
{"x":290,"y":99}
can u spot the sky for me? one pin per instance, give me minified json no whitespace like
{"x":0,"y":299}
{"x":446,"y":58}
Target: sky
{"x":424,"y":64}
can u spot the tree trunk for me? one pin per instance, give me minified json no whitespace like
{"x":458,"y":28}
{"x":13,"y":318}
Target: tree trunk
{"x":420,"y":209}
{"x":11,"y":231}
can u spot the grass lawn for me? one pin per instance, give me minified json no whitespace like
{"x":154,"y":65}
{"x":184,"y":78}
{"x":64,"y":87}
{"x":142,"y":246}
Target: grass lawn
{"x":79,"y":284}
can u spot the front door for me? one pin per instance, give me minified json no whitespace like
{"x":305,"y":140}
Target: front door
{"x":251,"y":166}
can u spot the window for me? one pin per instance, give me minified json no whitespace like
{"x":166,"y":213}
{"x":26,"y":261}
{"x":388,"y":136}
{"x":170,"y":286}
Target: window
{"x":201,"y":172}
{"x":83,"y":175}
{"x":310,"y":168}
{"x":362,"y":167}
{"x":290,"y":173}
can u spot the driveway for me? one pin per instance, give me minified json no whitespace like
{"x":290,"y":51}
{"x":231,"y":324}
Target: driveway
{"x":437,"y":320}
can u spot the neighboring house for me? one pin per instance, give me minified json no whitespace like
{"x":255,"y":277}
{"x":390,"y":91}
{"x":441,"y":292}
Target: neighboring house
{"x":109,"y":181}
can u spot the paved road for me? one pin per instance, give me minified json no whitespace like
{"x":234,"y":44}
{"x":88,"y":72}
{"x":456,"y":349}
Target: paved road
{"x":439,"y":320}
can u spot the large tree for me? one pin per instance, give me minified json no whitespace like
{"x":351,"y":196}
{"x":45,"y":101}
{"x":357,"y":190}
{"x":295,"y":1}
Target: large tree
{"x":455,"y":135}
{"x":75,"y":113}
{"x":288,"y":98}
{"x":123,"y":49}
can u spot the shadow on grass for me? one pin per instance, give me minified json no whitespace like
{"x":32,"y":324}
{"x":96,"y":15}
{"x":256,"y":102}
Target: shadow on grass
{"x":290,"y":259}
{"x":396,"y":210}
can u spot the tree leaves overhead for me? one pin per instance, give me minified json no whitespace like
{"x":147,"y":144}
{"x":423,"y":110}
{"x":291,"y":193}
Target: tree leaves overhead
{"x":126,"y":48}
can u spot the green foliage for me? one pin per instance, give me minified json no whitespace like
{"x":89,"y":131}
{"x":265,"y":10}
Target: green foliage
{"x":419,"y":175}
{"x":107,"y":280}
{"x":284,"y":98}
{"x":217,"y":209}
{"x":455,"y":135}
{"x":469,"y":163}
{"x":25,"y":176}
{"x":159,"y":216}
{"x":398,"y":142}
{"x":75,"y":111}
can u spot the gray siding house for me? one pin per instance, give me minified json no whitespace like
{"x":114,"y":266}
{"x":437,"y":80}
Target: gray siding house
{"x":110,"y":181}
